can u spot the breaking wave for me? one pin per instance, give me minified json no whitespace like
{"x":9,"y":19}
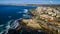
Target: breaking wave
{"x":11,"y":24}
{"x":1,"y":25}
{"x":25,"y":11}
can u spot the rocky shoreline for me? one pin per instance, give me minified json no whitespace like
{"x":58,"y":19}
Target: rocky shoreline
{"x":44,"y":19}
{"x":48,"y":18}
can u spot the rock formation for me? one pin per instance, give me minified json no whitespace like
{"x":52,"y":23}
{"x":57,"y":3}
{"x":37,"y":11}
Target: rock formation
{"x":45,"y":18}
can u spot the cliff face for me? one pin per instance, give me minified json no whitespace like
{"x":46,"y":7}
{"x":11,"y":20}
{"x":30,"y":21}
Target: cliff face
{"x":45,"y":18}
{"x":48,"y":18}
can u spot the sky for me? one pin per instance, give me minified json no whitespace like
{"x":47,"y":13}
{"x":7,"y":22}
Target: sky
{"x":29,"y":1}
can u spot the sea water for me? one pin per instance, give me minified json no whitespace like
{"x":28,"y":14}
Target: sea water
{"x":10,"y":13}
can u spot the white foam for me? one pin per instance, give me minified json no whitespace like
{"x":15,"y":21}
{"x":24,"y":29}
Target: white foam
{"x":25,"y":10}
{"x":8,"y":26}
{"x":1,"y":25}
{"x":1,"y":32}
{"x":39,"y":30}
{"x":24,"y":15}
{"x":14,"y":24}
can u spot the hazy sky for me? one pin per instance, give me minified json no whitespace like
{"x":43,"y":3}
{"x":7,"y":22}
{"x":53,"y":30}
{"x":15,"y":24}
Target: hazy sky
{"x":30,"y":1}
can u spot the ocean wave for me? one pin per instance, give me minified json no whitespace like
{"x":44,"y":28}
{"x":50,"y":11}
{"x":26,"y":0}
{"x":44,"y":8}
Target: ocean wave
{"x":1,"y":25}
{"x":25,"y":10}
{"x":12,"y":24}
{"x":1,"y":29}
{"x":26,"y":16}
{"x":6,"y":26}
{"x":1,"y":32}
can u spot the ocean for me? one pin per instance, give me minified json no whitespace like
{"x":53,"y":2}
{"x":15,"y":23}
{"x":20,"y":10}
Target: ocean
{"x":9,"y":12}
